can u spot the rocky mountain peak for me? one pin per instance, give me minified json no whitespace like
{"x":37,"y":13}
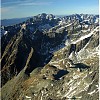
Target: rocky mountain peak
{"x":51,"y":58}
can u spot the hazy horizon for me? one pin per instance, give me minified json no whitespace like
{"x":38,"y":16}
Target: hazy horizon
{"x":40,"y":13}
{"x":23,"y":8}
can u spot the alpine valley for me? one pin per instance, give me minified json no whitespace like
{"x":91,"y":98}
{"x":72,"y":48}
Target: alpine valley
{"x":50,"y":57}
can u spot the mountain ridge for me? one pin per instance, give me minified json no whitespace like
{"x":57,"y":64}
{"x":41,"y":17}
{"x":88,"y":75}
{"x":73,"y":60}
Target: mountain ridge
{"x":51,"y":58}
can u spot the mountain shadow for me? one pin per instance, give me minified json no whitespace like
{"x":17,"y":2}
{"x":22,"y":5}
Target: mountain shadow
{"x":36,"y":61}
{"x":60,"y":74}
{"x":81,"y":66}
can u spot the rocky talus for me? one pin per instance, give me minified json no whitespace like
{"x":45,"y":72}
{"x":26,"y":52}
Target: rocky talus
{"x":58,"y":61}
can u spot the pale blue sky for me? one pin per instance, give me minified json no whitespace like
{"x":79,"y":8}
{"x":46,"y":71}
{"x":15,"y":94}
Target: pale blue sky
{"x":26,"y":8}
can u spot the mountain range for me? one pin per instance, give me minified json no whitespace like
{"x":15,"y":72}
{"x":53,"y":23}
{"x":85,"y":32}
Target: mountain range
{"x":51,"y":58}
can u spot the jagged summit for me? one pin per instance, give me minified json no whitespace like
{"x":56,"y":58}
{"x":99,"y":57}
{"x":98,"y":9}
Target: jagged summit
{"x":49,"y":57}
{"x":45,"y":16}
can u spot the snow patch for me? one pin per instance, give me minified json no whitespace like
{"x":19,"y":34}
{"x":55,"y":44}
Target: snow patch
{"x":86,"y":36}
{"x":5,"y":32}
{"x":97,"y":20}
{"x":76,"y":76}
{"x":86,"y":26}
{"x":28,"y":97}
{"x":23,"y":26}
{"x":91,"y":92}
{"x":97,"y":86}
{"x":90,"y":72}
{"x":51,"y":84}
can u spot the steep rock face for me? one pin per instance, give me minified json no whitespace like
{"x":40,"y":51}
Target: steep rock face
{"x":62,"y":78}
{"x":11,"y":31}
{"x":17,"y":50}
{"x":58,"y":64}
{"x":14,"y":56}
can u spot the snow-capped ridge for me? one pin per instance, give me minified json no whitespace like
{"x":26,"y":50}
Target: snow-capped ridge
{"x":86,"y":36}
